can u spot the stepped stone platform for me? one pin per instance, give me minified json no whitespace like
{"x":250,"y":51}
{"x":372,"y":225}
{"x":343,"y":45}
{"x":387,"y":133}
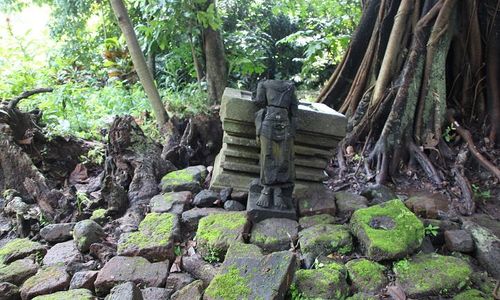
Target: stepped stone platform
{"x":319,"y":130}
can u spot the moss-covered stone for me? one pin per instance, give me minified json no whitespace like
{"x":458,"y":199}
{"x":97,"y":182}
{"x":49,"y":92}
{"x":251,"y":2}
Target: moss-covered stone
{"x":18,"y":271}
{"x":325,"y":239}
{"x":472,"y":295}
{"x":78,"y":294}
{"x":327,"y":282}
{"x":188,"y":179}
{"x":154,"y":240}
{"x":366,"y":276}
{"x":387,"y":231}
{"x":20,"y":248}
{"x":432,"y":274}
{"x":217,"y":232}
{"x":309,"y":221}
{"x":229,"y":286}
{"x":46,"y":281}
{"x":173,"y":202}
{"x":248,"y":274}
{"x":99,"y":216}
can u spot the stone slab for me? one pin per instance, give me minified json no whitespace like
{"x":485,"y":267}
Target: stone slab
{"x":256,"y":213}
{"x":238,"y":105}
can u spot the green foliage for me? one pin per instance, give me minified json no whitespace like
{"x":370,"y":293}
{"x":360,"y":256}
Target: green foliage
{"x":431,"y":230}
{"x":480,"y":193}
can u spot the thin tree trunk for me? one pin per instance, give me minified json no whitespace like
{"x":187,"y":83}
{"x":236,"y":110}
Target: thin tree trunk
{"x":139,"y":61}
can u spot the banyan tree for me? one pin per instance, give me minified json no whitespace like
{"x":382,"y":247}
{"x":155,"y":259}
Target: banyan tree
{"x":415,"y":72}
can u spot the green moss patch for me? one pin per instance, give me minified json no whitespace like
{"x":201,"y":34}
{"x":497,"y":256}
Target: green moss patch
{"x":362,"y":296}
{"x":366,"y":276}
{"x":218,"y":231}
{"x":184,"y":180}
{"x":387,"y":231}
{"x":432,"y":274}
{"x":325,"y":239}
{"x":78,"y":294}
{"x":229,"y":286}
{"x":309,"y":221}
{"x":327,"y":282}
{"x":472,"y":295}
{"x":20,"y":248}
{"x":156,"y":231}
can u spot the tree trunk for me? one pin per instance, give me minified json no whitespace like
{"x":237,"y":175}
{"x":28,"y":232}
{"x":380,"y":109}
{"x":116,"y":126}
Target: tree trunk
{"x":139,"y":61}
{"x":215,"y":60}
{"x":402,"y":73}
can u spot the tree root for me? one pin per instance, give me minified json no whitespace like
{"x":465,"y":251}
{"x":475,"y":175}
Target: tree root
{"x":13,"y":103}
{"x":425,"y":163}
{"x":466,"y":205}
{"x":466,"y":135}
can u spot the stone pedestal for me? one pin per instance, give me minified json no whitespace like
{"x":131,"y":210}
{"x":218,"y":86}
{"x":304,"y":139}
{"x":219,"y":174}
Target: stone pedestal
{"x":256,"y":213}
{"x":319,"y":129}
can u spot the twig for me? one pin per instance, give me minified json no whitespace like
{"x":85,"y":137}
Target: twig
{"x":466,"y":135}
{"x":13,"y":103}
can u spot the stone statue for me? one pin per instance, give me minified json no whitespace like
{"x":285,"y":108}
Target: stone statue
{"x":276,"y":122}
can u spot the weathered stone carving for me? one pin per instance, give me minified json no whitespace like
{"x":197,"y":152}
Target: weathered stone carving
{"x":275,"y":124}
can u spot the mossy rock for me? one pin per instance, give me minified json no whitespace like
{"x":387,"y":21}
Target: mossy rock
{"x":274,"y":234}
{"x":18,"y":271}
{"x":188,"y":179}
{"x":366,"y":276}
{"x":387,"y":231}
{"x":99,"y":216}
{"x":46,"y":281}
{"x":322,"y":219}
{"x":172,"y":202}
{"x":362,"y":296}
{"x":248,"y":274}
{"x":327,"y":282}
{"x":217,"y":232}
{"x":472,"y":295}
{"x":78,"y":294}
{"x":432,"y":274}
{"x":154,"y":240}
{"x":325,"y":239}
{"x":20,"y":248}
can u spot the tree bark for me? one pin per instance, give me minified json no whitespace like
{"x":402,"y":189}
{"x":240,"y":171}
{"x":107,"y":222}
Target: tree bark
{"x":139,"y":62}
{"x":215,"y":60}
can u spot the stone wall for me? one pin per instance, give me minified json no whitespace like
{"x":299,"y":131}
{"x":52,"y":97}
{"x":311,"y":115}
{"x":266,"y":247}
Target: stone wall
{"x":319,"y":130}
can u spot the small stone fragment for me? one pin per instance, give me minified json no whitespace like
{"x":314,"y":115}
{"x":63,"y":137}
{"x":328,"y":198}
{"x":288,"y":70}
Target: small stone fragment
{"x":154,"y":240}
{"x":8,"y":291}
{"x":327,"y":282}
{"x":366,"y":276}
{"x":125,"y":291}
{"x":233,"y":205}
{"x":239,"y":196}
{"x":430,"y":206}
{"x":173,"y":202}
{"x":83,"y":280}
{"x":199,"y":268}
{"x":316,"y":200}
{"x":85,"y":233}
{"x":137,"y":269}
{"x":378,"y":193}
{"x":46,"y":281}
{"x":325,"y":239}
{"x":309,"y":221}
{"x":56,"y":233}
{"x":217,"y":232}
{"x":432,"y":274}
{"x":225,"y":194}
{"x":188,"y":179}
{"x":62,"y":254}
{"x":154,"y":293}
{"x":78,"y":294}
{"x":18,"y":271}
{"x":192,"y":291}
{"x":275,"y":234}
{"x":459,"y":240}
{"x":20,"y":248}
{"x":347,"y":203}
{"x":177,"y":281}
{"x":387,"y":231}
{"x":205,"y":198}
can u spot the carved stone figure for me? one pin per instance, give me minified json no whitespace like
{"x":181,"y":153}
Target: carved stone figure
{"x":276,"y":122}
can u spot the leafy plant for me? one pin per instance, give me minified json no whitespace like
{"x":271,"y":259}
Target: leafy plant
{"x":94,"y":156}
{"x":81,"y":200}
{"x":448,"y":133}
{"x":431,"y":230}
{"x":479,"y":193}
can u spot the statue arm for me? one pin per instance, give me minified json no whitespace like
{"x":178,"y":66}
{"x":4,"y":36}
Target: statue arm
{"x":260,"y":99}
{"x":294,"y":112}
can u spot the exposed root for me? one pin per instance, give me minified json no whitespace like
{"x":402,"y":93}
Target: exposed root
{"x":425,"y":163}
{"x":466,"y":206}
